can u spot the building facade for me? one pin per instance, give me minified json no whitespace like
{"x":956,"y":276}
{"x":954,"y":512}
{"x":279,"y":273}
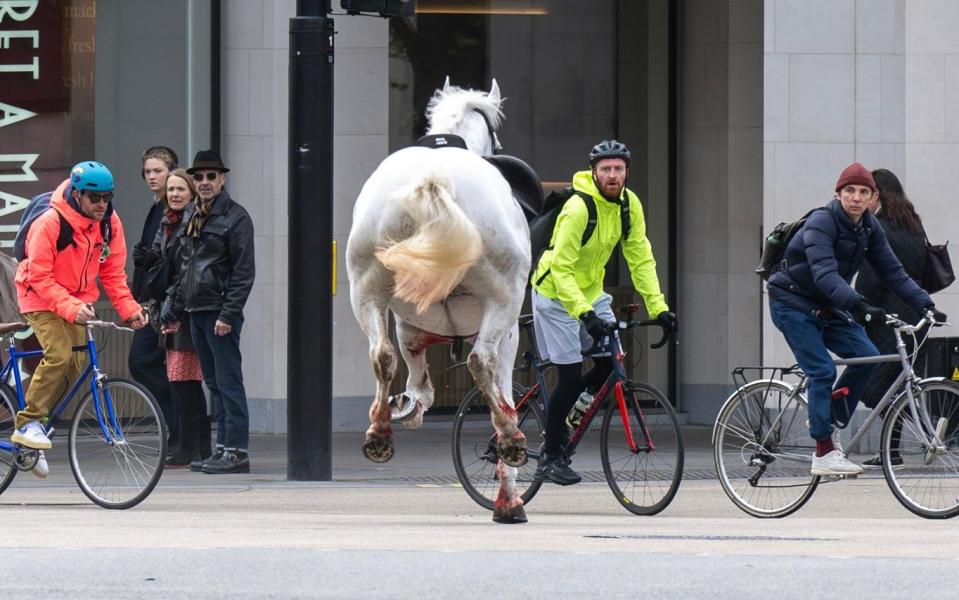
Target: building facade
{"x":741,"y":114}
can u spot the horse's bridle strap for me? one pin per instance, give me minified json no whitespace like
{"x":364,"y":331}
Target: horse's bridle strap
{"x":494,"y":141}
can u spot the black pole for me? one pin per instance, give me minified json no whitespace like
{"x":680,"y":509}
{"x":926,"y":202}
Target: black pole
{"x":310,"y":306}
{"x":215,"y":75}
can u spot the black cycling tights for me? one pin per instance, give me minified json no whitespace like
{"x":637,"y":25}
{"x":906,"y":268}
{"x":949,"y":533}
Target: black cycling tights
{"x":602,"y":367}
{"x":570,"y":382}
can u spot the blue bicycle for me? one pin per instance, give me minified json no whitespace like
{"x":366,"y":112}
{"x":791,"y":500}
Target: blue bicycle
{"x":117,"y":435}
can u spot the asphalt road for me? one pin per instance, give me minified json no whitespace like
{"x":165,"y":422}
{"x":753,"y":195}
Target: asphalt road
{"x":404,"y":530}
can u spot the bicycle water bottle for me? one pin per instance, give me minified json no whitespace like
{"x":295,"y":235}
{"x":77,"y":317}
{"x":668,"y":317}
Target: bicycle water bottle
{"x":583,"y":403}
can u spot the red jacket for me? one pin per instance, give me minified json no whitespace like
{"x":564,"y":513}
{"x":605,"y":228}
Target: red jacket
{"x":62,"y":282}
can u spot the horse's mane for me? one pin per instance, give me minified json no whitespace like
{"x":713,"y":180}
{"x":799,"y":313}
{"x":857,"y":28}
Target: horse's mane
{"x":448,"y":107}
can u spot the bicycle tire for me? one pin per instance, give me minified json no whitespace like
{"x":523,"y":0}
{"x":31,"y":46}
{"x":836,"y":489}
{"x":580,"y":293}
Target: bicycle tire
{"x":770,"y":480}
{"x":8,"y":415}
{"x":646,"y":480}
{"x":474,"y":447}
{"x":122,"y":474}
{"x":926,"y":482}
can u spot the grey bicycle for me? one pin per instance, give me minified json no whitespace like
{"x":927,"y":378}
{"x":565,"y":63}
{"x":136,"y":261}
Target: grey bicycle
{"x":763,"y":452}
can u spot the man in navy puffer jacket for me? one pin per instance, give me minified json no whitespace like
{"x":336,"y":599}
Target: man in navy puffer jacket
{"x":812,"y":303}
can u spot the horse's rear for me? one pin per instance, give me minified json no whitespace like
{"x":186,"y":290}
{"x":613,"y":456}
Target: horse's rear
{"x":438,"y":240}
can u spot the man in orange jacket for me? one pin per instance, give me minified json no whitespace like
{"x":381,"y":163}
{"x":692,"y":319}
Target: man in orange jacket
{"x":56,"y":288}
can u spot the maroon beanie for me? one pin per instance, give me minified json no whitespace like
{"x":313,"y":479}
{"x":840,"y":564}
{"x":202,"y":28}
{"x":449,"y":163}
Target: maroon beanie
{"x":855,"y":174}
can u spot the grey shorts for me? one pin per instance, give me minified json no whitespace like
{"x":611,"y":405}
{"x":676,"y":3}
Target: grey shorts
{"x":561,"y":338}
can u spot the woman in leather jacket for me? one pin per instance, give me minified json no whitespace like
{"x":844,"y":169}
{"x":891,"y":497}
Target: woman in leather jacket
{"x":182,"y":362}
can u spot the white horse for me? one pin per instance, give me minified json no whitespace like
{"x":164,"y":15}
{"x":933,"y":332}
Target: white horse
{"x":439,"y":241}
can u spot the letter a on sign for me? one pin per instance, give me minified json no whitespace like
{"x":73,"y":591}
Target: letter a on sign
{"x":12,"y":114}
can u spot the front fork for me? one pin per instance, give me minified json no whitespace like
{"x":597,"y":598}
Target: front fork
{"x":627,"y":427}
{"x":101,"y":399}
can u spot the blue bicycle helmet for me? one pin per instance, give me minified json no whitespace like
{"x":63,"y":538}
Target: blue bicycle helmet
{"x":609,"y":149}
{"x":91,"y":175}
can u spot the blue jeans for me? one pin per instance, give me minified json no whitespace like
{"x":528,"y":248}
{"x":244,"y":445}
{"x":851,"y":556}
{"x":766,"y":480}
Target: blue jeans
{"x":811,"y":338}
{"x":223,"y":373}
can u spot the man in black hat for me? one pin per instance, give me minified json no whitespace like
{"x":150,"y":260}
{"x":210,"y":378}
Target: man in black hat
{"x":216,"y":276}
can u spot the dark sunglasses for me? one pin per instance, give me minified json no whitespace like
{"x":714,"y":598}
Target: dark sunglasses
{"x":209,"y":176}
{"x":103,"y":198}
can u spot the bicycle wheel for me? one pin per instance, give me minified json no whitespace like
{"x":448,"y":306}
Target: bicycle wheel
{"x":474,"y":447}
{"x":122,"y":473}
{"x":646,"y":479}
{"x":8,"y":413}
{"x":762,"y":449}
{"x":925,"y":479}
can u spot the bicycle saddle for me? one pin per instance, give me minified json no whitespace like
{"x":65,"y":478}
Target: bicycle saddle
{"x":6,"y":328}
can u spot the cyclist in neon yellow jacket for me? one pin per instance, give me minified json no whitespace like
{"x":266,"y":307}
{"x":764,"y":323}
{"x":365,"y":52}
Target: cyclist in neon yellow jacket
{"x":570,"y":308}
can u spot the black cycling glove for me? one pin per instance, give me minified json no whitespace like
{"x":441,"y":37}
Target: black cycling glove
{"x":595,"y":327}
{"x":867,"y":314}
{"x":669,"y":320}
{"x":937,"y":314}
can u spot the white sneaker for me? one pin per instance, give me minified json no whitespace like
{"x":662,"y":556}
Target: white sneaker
{"x":33,"y":436}
{"x":41,"y":469}
{"x":834,"y":463}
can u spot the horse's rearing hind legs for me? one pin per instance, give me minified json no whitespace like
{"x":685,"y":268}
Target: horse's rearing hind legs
{"x":438,"y":240}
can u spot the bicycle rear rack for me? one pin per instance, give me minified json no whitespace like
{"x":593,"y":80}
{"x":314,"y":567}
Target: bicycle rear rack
{"x":744,"y":375}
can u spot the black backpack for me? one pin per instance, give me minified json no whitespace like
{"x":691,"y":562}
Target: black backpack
{"x":39,"y":205}
{"x":775,"y":246}
{"x":541,"y":226}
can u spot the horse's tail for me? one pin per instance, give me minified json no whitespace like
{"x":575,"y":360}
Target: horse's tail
{"x":444,"y":245}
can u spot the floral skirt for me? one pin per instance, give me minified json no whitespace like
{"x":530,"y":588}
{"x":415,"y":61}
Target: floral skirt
{"x":183,"y":365}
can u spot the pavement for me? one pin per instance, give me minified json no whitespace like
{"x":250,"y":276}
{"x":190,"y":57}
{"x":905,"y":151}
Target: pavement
{"x":405,"y":529}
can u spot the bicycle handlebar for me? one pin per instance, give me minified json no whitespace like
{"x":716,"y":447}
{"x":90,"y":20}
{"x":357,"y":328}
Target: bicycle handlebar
{"x":106,"y":324}
{"x":624,"y":325}
{"x":899,"y":325}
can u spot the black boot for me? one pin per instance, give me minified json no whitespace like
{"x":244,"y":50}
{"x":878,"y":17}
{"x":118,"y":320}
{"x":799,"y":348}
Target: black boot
{"x":190,"y":403}
{"x":198,"y":465}
{"x":232,"y":461}
{"x":204,"y":436}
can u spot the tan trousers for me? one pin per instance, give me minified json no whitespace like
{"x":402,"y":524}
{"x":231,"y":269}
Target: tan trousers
{"x":59,"y":367}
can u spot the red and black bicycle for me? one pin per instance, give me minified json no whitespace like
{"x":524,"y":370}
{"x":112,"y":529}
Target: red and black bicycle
{"x":641,"y":444}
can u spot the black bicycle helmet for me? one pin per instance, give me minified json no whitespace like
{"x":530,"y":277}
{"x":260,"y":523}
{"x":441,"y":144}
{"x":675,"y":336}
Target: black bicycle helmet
{"x":609,"y":149}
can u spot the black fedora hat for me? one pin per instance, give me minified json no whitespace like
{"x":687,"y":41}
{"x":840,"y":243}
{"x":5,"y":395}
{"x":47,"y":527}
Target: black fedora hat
{"x":207,"y":160}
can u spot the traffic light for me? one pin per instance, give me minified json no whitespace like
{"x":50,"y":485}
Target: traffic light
{"x":385,"y":8}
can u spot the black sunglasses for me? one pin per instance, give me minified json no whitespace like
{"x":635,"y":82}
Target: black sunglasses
{"x":95,"y":198}
{"x":209,"y":176}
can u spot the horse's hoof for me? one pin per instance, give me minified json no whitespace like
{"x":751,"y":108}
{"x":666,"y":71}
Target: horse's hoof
{"x":402,"y":408}
{"x":378,"y":449}
{"x":509,"y":516}
{"x":513,"y":451}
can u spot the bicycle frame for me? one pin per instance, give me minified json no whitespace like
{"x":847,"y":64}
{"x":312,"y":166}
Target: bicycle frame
{"x":907,"y":375}
{"x":92,"y":368}
{"x":613,"y":382}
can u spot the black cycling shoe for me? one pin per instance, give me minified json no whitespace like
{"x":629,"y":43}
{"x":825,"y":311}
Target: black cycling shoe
{"x":876,"y":461}
{"x":555,"y":468}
